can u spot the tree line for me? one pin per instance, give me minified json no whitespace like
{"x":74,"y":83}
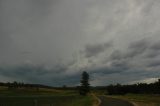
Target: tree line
{"x":15,"y":84}
{"x":140,"y":88}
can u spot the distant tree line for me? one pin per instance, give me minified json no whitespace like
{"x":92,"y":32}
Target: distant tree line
{"x":14,"y":85}
{"x":140,"y":88}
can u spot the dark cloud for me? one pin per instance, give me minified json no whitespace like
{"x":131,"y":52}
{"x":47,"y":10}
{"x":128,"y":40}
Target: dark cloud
{"x":152,"y":54}
{"x":154,"y":63}
{"x":134,"y":61}
{"x":153,"y":50}
{"x":134,"y":49}
{"x":96,"y":49}
{"x":120,"y":65}
{"x":38,"y":74}
{"x":155,"y":46}
{"x":106,"y":70}
{"x":137,"y":48}
{"x":116,"y":55}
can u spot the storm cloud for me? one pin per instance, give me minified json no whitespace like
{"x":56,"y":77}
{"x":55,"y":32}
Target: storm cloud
{"x":52,"y":41}
{"x":95,"y":49}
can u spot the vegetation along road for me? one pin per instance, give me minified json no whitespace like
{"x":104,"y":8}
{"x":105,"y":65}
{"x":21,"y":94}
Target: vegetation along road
{"x":107,"y":101}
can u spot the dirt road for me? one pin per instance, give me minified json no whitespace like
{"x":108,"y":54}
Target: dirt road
{"x":107,"y":101}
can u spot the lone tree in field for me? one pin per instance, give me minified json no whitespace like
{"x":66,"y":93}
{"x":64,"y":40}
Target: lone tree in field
{"x":84,"y":88}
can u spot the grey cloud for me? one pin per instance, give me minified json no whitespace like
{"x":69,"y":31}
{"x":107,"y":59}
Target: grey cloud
{"x":155,"y":46}
{"x":106,"y":70}
{"x":125,"y":61}
{"x":152,"y":54}
{"x":114,"y":67}
{"x":5,"y":42}
{"x":140,"y":44}
{"x":138,"y":48}
{"x":116,"y":55}
{"x":134,"y":49}
{"x":25,"y":52}
{"x":96,"y":49}
{"x":154,"y":63}
{"x":22,"y":71}
{"x":37,"y":74}
{"x":153,"y":50}
{"x":120,"y":65}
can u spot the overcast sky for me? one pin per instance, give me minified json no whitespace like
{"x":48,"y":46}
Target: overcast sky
{"x":52,"y":41}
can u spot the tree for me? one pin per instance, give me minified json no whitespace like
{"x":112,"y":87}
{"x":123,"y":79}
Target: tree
{"x":84,"y":88}
{"x":15,"y":84}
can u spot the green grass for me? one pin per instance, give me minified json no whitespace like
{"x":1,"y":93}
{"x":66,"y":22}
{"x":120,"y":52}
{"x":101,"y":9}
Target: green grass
{"x":43,"y":97}
{"x":82,"y":101}
{"x":74,"y":100}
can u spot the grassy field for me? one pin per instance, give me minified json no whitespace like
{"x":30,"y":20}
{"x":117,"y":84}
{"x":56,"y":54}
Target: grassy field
{"x":142,"y":99}
{"x":74,"y":100}
{"x":42,"y":97}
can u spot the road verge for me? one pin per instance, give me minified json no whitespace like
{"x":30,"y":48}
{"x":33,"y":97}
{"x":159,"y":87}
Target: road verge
{"x":97,"y":101}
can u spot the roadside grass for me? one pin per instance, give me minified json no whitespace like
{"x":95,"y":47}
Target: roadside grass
{"x":99,"y":92}
{"x":82,"y":101}
{"x":96,"y":100}
{"x":142,"y":99}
